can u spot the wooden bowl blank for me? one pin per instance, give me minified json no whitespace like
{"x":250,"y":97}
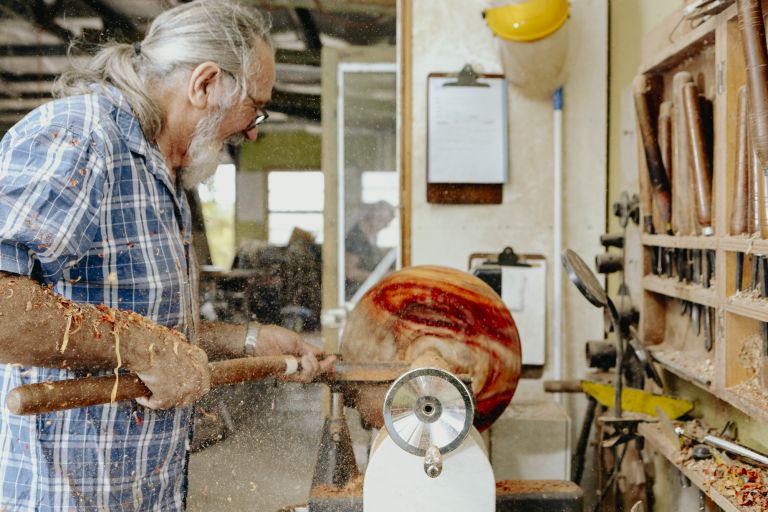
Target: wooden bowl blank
{"x":454,"y":314}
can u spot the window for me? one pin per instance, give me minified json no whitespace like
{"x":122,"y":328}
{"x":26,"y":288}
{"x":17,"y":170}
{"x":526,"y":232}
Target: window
{"x":295,"y":200}
{"x":217,"y":197}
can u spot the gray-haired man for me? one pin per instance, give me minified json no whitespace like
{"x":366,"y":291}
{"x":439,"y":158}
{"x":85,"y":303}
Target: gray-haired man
{"x":92,"y":207}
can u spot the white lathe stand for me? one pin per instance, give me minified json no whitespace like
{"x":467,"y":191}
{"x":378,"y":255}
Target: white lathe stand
{"x":434,"y":460}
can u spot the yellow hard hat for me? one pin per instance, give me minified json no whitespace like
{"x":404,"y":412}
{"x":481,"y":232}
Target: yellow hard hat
{"x":527,"y":21}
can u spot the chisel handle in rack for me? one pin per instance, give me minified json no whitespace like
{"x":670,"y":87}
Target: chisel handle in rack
{"x":702,"y":176}
{"x":664,"y":130}
{"x":753,"y":188}
{"x":740,"y":189}
{"x":646,"y":203}
{"x":681,"y":165}
{"x":660,"y":188}
{"x":67,"y":394}
{"x":756,"y":61}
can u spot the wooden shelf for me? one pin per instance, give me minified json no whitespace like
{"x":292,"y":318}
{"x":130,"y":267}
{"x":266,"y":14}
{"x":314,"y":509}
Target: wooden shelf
{"x":744,"y":244}
{"x":671,"y":287}
{"x":756,"y":309}
{"x":662,"y":356}
{"x":654,"y":434}
{"x":756,"y":406}
{"x":679,"y":242}
{"x":729,"y":379}
{"x":688,"y":43}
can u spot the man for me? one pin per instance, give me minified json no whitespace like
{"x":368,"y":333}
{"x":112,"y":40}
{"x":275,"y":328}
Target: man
{"x":363,"y":254}
{"x":92,"y":207}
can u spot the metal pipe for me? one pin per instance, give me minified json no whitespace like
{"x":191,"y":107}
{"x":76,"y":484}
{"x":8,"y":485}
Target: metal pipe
{"x":557,"y":319}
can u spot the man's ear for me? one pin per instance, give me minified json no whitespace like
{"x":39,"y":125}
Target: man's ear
{"x":201,"y":83}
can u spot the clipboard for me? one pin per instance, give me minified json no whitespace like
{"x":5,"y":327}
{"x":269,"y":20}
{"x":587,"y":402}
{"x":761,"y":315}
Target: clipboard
{"x":467,"y":137}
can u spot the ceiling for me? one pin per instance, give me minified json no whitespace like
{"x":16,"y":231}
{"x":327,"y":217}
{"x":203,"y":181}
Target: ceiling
{"x":35,"y":37}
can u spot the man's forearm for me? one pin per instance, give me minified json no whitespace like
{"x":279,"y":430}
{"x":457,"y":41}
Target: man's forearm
{"x":221,"y":340}
{"x":38,"y":328}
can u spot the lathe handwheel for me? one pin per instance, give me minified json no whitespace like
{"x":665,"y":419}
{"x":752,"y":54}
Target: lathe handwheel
{"x":428,"y":407}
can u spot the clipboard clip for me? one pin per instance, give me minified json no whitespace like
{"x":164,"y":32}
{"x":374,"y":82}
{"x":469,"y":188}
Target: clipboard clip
{"x":466,"y":78}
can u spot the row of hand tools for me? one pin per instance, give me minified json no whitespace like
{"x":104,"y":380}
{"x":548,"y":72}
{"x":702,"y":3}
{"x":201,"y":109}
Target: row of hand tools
{"x":690,"y":266}
{"x":676,"y":191}
{"x":677,"y":138}
{"x":682,"y":145}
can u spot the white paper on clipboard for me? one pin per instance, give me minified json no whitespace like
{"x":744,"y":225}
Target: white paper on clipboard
{"x":467,"y":131}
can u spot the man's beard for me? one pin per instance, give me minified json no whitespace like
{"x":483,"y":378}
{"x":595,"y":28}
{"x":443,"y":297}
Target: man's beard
{"x":205,"y":150}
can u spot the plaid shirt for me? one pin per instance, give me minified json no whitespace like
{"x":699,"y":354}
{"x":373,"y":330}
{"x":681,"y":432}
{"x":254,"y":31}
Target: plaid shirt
{"x":88,"y":205}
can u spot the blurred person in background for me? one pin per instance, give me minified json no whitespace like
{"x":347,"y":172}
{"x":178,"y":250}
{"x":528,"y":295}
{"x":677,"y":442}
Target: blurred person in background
{"x":363,"y":254}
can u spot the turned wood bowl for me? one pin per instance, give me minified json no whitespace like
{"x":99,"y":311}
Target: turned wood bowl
{"x":431,"y":310}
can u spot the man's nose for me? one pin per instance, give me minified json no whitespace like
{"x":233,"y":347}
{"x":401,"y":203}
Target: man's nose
{"x":252,"y":133}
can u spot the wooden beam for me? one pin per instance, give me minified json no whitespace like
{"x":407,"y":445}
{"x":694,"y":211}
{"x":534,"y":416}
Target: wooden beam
{"x":361,"y":6}
{"x":406,"y":129}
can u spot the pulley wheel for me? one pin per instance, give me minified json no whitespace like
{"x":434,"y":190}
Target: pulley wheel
{"x":428,"y":407}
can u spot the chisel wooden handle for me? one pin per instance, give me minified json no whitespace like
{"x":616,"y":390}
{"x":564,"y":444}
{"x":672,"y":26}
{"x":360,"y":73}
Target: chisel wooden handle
{"x":660,"y":188}
{"x":738,"y":224}
{"x":681,"y":167}
{"x":665,"y":137}
{"x":646,"y":203}
{"x":664,"y":129}
{"x":756,"y":60}
{"x":68,"y":394}
{"x":702,"y":175}
{"x":753,"y":186}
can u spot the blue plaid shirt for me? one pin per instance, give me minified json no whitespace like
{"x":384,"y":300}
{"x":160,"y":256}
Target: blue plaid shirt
{"x":88,"y":205}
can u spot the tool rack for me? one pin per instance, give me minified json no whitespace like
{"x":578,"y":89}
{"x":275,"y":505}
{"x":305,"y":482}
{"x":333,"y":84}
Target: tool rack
{"x":735,"y":367}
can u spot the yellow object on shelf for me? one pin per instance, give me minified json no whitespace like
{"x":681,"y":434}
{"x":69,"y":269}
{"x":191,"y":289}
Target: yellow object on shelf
{"x":527,"y":21}
{"x":636,"y":400}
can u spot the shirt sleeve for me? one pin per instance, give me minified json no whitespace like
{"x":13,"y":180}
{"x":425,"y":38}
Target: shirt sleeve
{"x":51,"y":187}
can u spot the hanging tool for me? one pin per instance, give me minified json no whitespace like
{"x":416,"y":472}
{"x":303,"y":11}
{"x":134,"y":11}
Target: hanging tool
{"x":697,"y":279}
{"x":756,"y":60}
{"x":664,"y":130}
{"x":681,"y":164}
{"x":754,"y":199}
{"x":740,"y":190}
{"x":660,"y":187}
{"x":636,"y":400}
{"x":645,"y":203}
{"x":708,"y":336}
{"x":702,"y":170}
{"x":755,"y":271}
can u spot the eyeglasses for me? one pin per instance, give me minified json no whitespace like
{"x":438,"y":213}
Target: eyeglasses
{"x":261,"y":115}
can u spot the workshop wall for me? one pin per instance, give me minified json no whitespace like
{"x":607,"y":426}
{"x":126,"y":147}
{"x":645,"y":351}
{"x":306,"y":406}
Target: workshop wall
{"x":630,"y":20}
{"x":273,"y":150}
{"x":450,"y":33}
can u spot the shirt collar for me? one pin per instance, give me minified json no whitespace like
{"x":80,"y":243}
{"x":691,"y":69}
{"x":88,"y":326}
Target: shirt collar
{"x":130,"y":128}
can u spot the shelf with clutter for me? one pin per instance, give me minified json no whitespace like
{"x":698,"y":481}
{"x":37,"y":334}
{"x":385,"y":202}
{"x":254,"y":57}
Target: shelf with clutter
{"x":705,"y":217}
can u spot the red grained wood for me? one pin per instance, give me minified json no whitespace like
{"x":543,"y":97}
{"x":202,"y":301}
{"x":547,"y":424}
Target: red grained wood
{"x":453,"y":313}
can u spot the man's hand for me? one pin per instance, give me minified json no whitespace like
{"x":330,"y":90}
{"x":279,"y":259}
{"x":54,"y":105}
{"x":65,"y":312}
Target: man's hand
{"x":274,"y":340}
{"x":177,"y":373}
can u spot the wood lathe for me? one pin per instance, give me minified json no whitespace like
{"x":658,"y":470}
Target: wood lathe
{"x":463,"y":351}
